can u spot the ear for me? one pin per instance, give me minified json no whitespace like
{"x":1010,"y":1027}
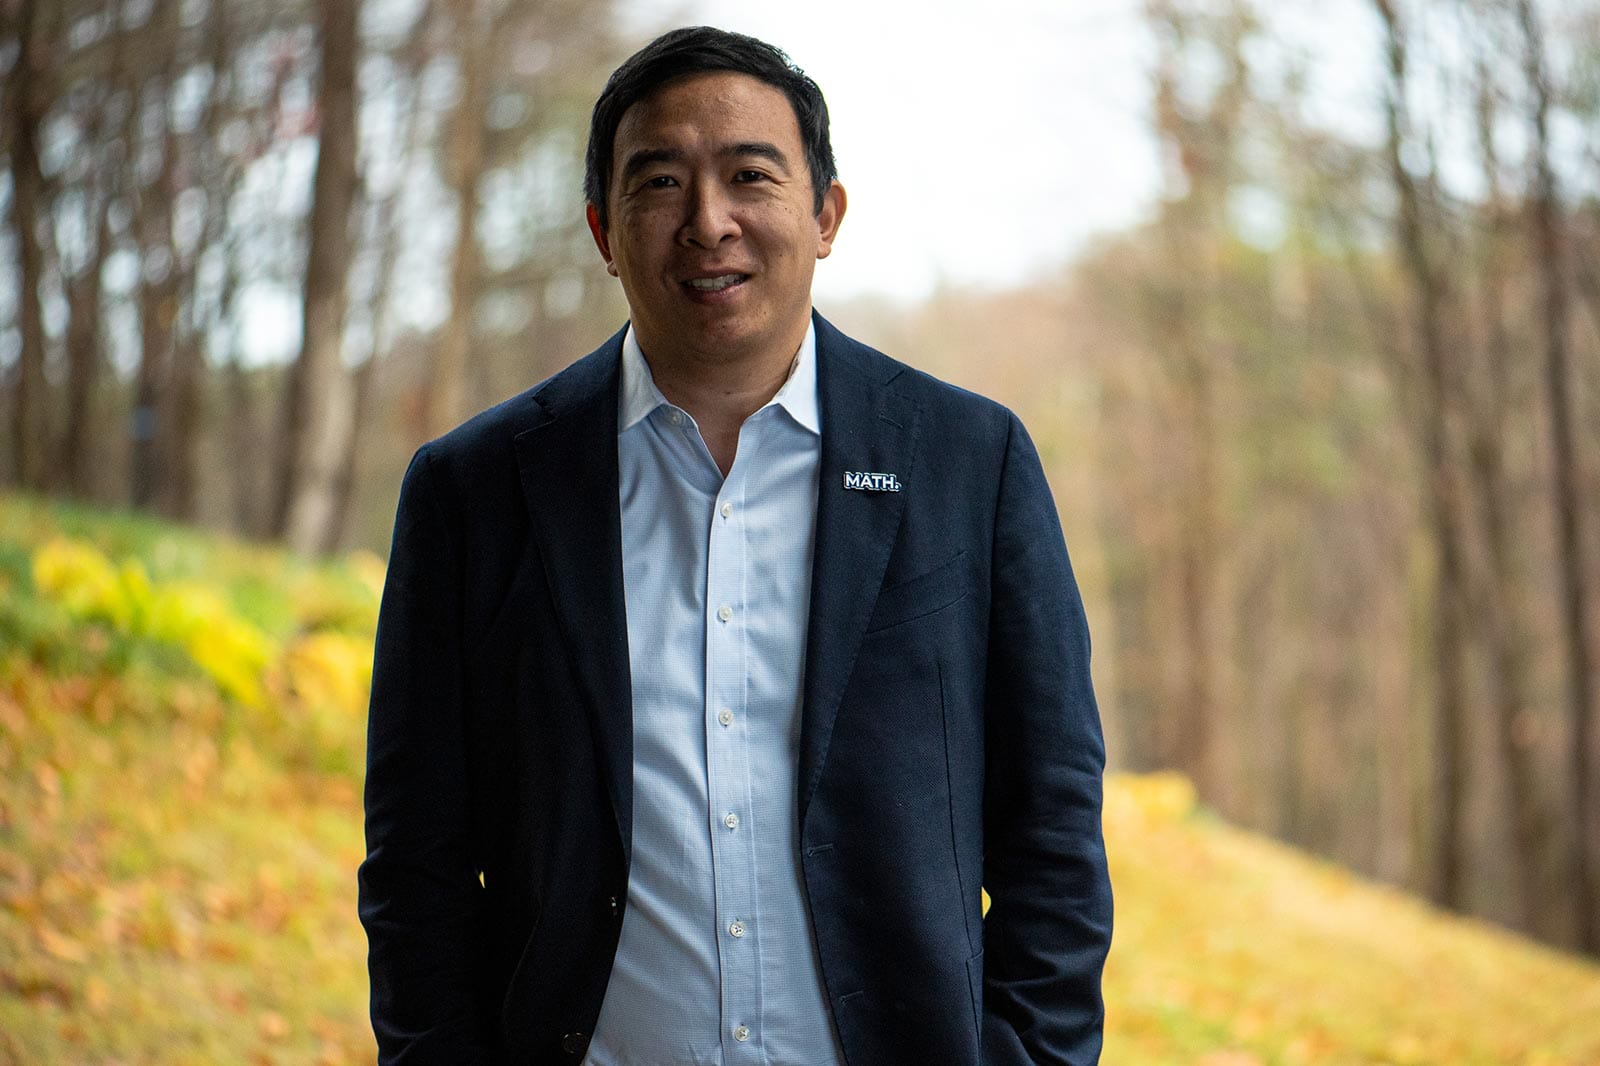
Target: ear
{"x":601,"y":241}
{"x":828,"y":219}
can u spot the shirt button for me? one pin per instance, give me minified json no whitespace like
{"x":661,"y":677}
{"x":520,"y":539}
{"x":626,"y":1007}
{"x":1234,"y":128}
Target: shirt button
{"x":676,"y":418}
{"x":742,"y":1033}
{"x":727,"y":509}
{"x":725,"y":716}
{"x":724,"y":612}
{"x":731,"y":821}
{"x":736,"y":928}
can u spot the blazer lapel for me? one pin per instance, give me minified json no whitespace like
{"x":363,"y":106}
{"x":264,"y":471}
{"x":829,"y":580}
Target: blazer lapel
{"x":568,"y":465}
{"x":867,"y":427}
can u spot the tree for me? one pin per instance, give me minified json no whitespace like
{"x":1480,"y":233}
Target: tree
{"x":1561,"y":394}
{"x":28,"y":91}
{"x":1443,"y":483}
{"x":1497,"y":599}
{"x":316,"y":408}
{"x":103,"y":172}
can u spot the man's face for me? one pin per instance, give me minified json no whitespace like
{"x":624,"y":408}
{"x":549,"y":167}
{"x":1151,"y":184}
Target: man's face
{"x":712,"y":230}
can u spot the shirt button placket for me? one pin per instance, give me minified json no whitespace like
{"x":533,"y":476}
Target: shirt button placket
{"x":727,"y":766}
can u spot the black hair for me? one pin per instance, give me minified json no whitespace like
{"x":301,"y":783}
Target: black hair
{"x":701,"y":50}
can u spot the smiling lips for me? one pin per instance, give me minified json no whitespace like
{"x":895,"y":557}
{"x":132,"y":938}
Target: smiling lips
{"x":716,"y":284}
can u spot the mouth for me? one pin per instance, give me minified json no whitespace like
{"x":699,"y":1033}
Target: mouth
{"x":720,"y":283}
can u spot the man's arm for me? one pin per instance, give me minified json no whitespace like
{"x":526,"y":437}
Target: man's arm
{"x":1049,"y":923}
{"x":419,"y":891}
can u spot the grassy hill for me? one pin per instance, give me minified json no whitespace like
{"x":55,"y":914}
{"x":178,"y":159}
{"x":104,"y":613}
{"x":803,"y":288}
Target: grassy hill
{"x":182,"y":721}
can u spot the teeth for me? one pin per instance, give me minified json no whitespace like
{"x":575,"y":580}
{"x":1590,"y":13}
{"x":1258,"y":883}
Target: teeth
{"x":715,"y":284}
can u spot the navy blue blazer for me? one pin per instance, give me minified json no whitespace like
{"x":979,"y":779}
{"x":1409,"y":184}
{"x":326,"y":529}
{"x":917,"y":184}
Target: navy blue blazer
{"x":950,"y":738}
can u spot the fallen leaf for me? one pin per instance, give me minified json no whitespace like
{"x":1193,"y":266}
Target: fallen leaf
{"x":273,"y":1025}
{"x":61,"y":945}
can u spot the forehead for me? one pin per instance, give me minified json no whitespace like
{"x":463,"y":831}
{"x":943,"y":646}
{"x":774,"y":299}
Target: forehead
{"x":712,"y":109}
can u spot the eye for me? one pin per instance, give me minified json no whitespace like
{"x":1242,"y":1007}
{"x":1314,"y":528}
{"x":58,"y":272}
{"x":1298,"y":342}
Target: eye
{"x":660,"y":181}
{"x":750,"y":176}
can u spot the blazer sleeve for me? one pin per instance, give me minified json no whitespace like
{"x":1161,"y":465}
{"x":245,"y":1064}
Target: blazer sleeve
{"x":1048,"y":928}
{"x":419,"y":893}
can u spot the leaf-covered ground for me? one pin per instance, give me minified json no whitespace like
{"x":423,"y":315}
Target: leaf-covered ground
{"x":181,"y":731}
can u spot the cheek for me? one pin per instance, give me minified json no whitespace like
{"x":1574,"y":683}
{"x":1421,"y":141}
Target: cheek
{"x":799,"y":237}
{"x":641,"y":229}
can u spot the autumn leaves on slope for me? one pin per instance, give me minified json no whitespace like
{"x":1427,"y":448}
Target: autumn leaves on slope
{"x":182,"y":722}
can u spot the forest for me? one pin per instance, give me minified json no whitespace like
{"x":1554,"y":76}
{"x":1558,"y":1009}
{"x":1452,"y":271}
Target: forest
{"x":1323,"y":426}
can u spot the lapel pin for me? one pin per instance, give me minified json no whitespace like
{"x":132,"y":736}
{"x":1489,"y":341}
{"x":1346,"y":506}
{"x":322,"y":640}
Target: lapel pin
{"x":869,"y":482}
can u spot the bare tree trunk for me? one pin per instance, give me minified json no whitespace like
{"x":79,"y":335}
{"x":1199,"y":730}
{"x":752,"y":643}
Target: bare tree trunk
{"x":1499,"y":607}
{"x":1199,"y":561}
{"x":27,"y":109}
{"x":158,"y":297}
{"x":157,"y":314}
{"x":447,"y":385}
{"x":83,"y":369}
{"x":250,"y":433}
{"x":84,"y":353}
{"x":1446,"y":885}
{"x":365,"y":375}
{"x":184,"y":390}
{"x":182,"y":403}
{"x":1567,"y":498}
{"x":244,"y":437}
{"x":316,"y":412}
{"x":1191,"y":222}
{"x":1586,"y":276}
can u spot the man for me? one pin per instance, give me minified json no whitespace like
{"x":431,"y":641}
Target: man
{"x":718,"y":672}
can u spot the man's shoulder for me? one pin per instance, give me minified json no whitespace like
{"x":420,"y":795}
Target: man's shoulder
{"x":488,"y":435}
{"x":950,"y":406}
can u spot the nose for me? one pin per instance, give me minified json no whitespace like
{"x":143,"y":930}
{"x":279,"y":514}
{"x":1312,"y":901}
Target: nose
{"x":711,"y":216}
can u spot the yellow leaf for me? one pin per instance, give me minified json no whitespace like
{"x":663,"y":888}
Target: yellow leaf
{"x":61,"y":945}
{"x":97,"y":994}
{"x":49,"y":779}
{"x":74,"y":574}
{"x":370,"y":569}
{"x":332,"y":670}
{"x":274,"y":1026}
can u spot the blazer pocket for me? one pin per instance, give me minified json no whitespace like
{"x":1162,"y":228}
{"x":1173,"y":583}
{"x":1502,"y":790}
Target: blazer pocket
{"x":922,"y":595}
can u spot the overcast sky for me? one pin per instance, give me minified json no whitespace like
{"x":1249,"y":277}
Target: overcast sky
{"x":977,"y":142}
{"x":981,"y":143}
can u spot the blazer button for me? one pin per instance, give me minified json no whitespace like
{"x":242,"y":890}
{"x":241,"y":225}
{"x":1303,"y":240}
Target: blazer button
{"x":572,"y":1043}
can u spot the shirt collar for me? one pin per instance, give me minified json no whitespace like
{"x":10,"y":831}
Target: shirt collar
{"x":638,"y":395}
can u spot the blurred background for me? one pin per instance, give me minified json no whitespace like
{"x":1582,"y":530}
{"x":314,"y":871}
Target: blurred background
{"x":1301,"y":302}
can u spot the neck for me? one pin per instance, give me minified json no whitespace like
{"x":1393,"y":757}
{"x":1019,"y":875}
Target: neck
{"x":720,"y":393}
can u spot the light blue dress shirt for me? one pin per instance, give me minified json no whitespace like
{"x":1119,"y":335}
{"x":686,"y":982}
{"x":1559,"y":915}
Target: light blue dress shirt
{"x":717,"y":965}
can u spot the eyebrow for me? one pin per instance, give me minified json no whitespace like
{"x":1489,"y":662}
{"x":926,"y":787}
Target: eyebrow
{"x":648,"y":157}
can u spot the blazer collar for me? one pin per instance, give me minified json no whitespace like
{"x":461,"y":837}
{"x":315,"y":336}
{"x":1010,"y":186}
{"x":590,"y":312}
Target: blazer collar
{"x":868,"y":426}
{"x":567,"y":459}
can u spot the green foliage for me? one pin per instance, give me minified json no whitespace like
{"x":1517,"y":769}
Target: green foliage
{"x":177,"y":862}
{"x":181,"y":730}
